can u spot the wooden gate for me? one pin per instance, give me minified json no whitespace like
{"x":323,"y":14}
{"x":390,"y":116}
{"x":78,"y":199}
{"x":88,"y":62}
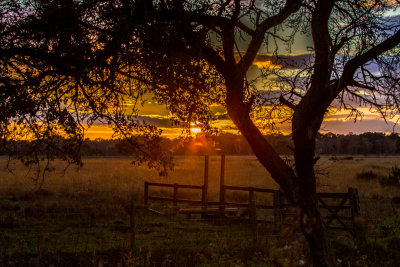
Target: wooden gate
{"x":340,"y":211}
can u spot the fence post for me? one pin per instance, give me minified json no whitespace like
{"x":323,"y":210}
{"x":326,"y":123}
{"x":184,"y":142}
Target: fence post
{"x":222,"y":187}
{"x":277,"y":213}
{"x":222,"y":181}
{"x":205,"y":187}
{"x":252,"y":206}
{"x":358,"y":222}
{"x":175,"y":202}
{"x":132,"y":225}
{"x":252,"y":214}
{"x":282,"y":206}
{"x":146,"y":194}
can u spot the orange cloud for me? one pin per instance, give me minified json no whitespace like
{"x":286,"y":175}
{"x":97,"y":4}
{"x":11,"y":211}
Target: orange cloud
{"x":99,"y":131}
{"x":267,"y":64}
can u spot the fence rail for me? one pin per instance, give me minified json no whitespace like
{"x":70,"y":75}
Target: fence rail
{"x":262,"y":190}
{"x":176,"y":185}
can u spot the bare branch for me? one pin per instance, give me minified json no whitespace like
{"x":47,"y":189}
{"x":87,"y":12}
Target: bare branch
{"x":285,"y":102}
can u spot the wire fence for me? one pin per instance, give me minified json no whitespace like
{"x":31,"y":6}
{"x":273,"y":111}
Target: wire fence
{"x":87,"y":229}
{"x":380,"y":215}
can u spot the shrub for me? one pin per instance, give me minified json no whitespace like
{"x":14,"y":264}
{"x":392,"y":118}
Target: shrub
{"x":367,"y":175}
{"x":394,"y":174}
{"x":341,"y":158}
{"x":393,"y":178}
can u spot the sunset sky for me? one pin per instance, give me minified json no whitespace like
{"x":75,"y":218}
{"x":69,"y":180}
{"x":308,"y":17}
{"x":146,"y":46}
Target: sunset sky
{"x":337,"y":121}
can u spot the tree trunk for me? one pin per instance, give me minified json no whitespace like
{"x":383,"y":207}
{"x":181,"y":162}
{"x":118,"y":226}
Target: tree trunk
{"x":265,"y":153}
{"x":306,"y":123}
{"x":300,"y":188}
{"x":314,"y":230}
{"x":310,"y":217}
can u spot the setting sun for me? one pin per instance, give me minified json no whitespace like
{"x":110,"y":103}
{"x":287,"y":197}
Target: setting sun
{"x":195,"y":130}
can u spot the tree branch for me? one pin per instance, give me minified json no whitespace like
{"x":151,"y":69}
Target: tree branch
{"x":290,"y":7}
{"x":321,"y":39}
{"x":285,"y":102}
{"x":353,"y":64}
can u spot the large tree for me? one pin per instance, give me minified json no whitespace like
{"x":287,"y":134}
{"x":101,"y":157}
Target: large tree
{"x":67,"y":63}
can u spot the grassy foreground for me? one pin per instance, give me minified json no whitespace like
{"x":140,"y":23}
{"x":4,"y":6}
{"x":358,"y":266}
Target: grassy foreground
{"x":81,"y":218}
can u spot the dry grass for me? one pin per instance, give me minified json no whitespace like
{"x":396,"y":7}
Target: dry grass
{"x":342,"y":174}
{"x":117,"y":176}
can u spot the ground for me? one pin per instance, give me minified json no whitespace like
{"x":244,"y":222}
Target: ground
{"x":82,"y":217}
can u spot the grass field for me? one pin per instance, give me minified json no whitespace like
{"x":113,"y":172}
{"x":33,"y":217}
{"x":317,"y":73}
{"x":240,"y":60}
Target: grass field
{"x":118,"y":176}
{"x":81,"y":217}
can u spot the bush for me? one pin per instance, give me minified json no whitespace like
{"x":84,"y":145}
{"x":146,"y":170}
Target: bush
{"x":393,"y":178}
{"x":341,"y":158}
{"x":367,"y":175}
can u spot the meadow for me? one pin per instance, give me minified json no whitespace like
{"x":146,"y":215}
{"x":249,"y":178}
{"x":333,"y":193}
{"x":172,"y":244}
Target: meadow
{"x":117,"y":176}
{"x":81,"y":215}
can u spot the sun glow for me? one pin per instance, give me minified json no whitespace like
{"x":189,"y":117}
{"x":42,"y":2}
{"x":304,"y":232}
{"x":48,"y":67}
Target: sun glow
{"x":195,"y":130}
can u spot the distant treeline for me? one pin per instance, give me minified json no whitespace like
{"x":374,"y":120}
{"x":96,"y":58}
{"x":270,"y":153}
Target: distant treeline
{"x":364,"y":144}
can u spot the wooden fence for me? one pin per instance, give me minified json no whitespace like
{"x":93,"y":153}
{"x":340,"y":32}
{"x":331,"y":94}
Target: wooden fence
{"x":174,"y":199}
{"x":340,"y":211}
